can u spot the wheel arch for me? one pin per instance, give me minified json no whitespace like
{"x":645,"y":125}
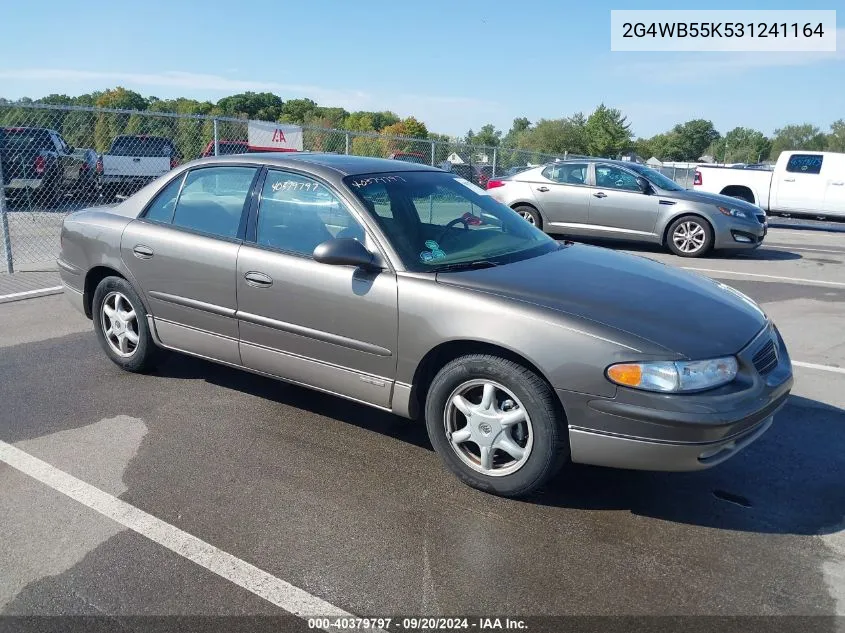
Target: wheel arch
{"x":448,"y":351}
{"x":533,"y":205}
{"x":736,"y":190}
{"x":683,"y":214}
{"x":92,"y":279}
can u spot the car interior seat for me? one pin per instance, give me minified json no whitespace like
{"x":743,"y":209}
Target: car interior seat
{"x":290,"y":226}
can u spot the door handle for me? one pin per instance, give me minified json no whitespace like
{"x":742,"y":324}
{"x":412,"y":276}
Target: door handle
{"x":838,"y":184}
{"x":542,"y":188}
{"x":789,"y":179}
{"x":600,"y":194}
{"x":142,"y":252}
{"x":258,"y":280}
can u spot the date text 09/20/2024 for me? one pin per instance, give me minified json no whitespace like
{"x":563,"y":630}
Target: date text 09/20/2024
{"x":417,"y":623}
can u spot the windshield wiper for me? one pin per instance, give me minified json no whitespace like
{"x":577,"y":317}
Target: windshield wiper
{"x":473,"y":265}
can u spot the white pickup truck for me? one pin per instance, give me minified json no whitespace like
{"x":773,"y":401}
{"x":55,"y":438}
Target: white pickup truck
{"x":801,"y":183}
{"x":133,"y":161}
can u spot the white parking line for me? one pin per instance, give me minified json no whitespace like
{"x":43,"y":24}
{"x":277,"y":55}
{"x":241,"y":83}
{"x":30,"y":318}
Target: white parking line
{"x":836,"y":370}
{"x":30,"y":293}
{"x":743,"y":274}
{"x":255,"y":580}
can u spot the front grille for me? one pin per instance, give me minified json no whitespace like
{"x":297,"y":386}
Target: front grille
{"x":766,"y":358}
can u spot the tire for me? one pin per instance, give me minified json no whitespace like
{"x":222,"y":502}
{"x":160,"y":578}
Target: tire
{"x":140,"y":356}
{"x":541,"y":434}
{"x":529,"y":214}
{"x":699,"y":232}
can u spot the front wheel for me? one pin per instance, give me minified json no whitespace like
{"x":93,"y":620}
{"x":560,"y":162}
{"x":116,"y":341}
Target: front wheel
{"x":495,"y":425}
{"x":120,"y":322}
{"x":689,"y":236}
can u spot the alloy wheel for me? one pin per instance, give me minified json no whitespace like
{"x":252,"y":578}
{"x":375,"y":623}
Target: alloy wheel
{"x":528,"y":217}
{"x":689,"y":236}
{"x":120,"y":324}
{"x":488,"y":428}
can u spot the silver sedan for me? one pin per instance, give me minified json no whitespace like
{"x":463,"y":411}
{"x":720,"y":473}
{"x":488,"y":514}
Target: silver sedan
{"x":598,"y":198}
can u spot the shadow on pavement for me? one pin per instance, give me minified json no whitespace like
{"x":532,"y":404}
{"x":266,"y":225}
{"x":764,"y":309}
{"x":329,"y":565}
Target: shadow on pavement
{"x":179,"y":366}
{"x":788,"y":482}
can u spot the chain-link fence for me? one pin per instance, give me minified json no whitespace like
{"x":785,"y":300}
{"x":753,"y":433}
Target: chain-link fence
{"x":56,"y":159}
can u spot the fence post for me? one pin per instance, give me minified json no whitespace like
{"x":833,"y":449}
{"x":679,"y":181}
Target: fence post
{"x":4,"y":225}
{"x":493,"y":175}
{"x":347,"y":143}
{"x":216,"y":140}
{"x":432,"y":153}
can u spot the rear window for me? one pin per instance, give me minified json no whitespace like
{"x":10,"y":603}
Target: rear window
{"x":805,"y":163}
{"x":140,"y":146}
{"x":27,"y":139}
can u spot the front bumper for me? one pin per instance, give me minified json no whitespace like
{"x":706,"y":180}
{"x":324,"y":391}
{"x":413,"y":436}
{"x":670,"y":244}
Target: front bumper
{"x":681,"y":432}
{"x":740,"y":235}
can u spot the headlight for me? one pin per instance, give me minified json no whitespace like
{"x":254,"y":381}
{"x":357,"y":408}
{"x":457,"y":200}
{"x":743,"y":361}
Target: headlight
{"x":674,"y":376}
{"x":734,"y":213}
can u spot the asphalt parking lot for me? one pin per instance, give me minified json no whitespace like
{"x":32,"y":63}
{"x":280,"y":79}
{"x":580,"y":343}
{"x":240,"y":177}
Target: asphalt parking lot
{"x":352,"y":508}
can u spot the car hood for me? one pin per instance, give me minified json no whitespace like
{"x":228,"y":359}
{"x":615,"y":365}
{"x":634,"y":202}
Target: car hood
{"x":714,"y":199}
{"x":682,"y":312}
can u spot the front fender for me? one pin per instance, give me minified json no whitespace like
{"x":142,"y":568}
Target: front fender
{"x":570,"y":352}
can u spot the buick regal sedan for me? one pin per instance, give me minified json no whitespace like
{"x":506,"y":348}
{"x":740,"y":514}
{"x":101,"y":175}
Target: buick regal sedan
{"x":411,"y":290}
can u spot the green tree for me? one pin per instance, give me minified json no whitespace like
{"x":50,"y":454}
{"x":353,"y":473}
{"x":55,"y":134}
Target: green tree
{"x":359,"y":122}
{"x":688,"y":141}
{"x":741,"y":145}
{"x":836,"y":138}
{"x":368,"y":146}
{"x":608,"y":132}
{"x":487,"y":136}
{"x":556,"y":136}
{"x":121,"y":99}
{"x":520,"y":126}
{"x":295,"y":110}
{"x":382,"y":119}
{"x":264,"y":106}
{"x":805,"y":136}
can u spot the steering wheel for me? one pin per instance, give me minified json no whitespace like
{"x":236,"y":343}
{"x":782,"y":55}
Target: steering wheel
{"x":450,"y":225}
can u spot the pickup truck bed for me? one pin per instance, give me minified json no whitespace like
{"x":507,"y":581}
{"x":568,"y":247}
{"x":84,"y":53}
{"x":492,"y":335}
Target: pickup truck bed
{"x":134,"y":161}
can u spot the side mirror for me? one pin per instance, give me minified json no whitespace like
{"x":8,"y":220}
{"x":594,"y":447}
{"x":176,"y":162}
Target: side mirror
{"x":643,"y":184}
{"x":345,"y":251}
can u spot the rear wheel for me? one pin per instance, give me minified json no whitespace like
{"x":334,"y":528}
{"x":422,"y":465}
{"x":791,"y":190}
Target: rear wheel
{"x":120,"y":322}
{"x":529,"y":214}
{"x":495,"y":426}
{"x":689,"y":236}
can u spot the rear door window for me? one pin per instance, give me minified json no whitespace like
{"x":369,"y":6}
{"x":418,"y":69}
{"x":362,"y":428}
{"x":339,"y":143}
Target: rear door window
{"x":805,"y":163}
{"x":212,"y":200}
{"x":567,"y":173}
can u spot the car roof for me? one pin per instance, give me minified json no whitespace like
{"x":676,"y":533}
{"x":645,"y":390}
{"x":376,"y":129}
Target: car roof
{"x":337,"y":164}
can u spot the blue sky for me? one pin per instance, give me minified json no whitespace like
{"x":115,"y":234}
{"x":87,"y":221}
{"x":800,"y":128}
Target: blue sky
{"x":455,"y":65}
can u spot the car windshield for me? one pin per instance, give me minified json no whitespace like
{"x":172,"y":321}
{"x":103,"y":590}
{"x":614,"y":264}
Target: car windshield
{"x":656,"y":178}
{"x":438,"y":221}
